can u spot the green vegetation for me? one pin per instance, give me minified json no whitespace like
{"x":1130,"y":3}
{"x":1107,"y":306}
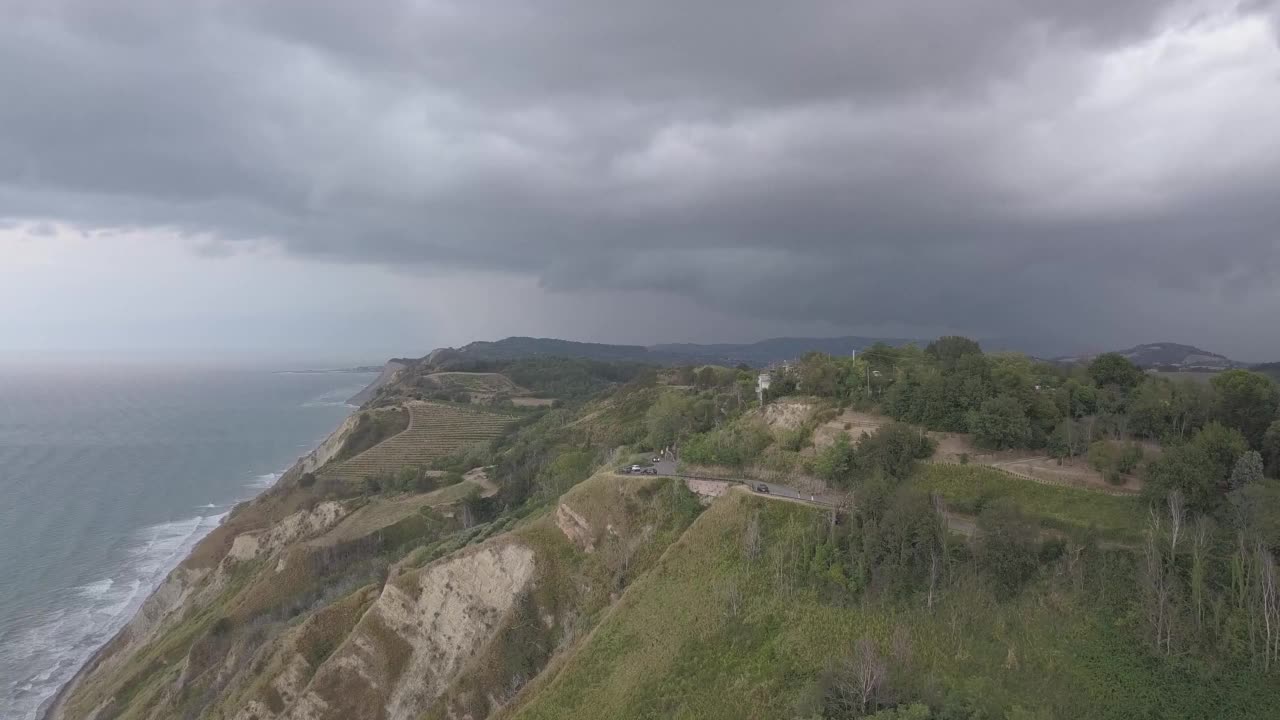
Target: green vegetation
{"x":891,"y":452}
{"x":371,"y":428}
{"x":734,"y":623}
{"x":969,"y":489}
{"x":733,"y":445}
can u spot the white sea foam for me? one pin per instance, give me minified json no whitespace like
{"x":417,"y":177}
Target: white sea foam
{"x":334,"y":398}
{"x":62,"y":639}
{"x":262,"y":482}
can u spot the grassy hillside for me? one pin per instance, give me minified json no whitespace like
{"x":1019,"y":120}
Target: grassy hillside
{"x":970,"y":488}
{"x":710,"y":634}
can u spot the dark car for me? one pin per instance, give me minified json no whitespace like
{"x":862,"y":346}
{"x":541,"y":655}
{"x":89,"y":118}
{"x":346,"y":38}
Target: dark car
{"x":762,"y":488}
{"x":650,"y":471}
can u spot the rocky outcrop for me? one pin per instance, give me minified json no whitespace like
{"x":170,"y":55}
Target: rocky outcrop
{"x":575,"y":527}
{"x":412,"y":642}
{"x":302,"y":524}
{"x":329,"y":448}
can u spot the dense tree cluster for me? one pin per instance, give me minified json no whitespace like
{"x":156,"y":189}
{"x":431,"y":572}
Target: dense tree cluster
{"x":891,"y":452}
{"x":1101,"y":409}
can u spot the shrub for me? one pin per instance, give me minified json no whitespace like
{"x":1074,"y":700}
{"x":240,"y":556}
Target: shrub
{"x":1102,"y":455}
{"x":1129,"y":458}
{"x":893,"y":450}
{"x":1007,"y":548}
{"x":835,"y":462}
{"x":735,"y":445}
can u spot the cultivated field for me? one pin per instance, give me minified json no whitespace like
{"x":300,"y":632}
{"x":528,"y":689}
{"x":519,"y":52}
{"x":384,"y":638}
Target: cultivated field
{"x":435,"y":430}
{"x":478,"y":383}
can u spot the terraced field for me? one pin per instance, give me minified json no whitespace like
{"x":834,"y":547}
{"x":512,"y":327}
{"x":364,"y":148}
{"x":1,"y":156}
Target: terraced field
{"x":435,"y":430}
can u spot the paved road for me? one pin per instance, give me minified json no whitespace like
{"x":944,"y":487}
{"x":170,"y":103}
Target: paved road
{"x":961,"y":524}
{"x":667,"y":466}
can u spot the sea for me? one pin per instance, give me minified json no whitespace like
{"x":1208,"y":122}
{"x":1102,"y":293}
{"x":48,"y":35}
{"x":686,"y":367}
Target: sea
{"x":110,"y":475}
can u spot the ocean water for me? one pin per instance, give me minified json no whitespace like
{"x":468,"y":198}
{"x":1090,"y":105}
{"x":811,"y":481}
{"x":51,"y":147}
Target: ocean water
{"x":108,"y":477}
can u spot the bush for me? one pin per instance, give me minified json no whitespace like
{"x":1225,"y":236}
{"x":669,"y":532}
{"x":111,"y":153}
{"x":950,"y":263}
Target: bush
{"x":1007,"y":547}
{"x":835,"y":462}
{"x":893,"y":451}
{"x":1102,"y":455}
{"x":1129,"y":458}
{"x":734,"y":445}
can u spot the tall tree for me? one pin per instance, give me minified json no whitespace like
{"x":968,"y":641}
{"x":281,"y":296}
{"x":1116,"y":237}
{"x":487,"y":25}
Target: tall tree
{"x":1271,"y":449}
{"x":1248,"y":402}
{"x":1114,"y":369}
{"x":1187,"y":469}
{"x":948,"y":350}
{"x":1001,"y":423}
{"x":1248,"y":470}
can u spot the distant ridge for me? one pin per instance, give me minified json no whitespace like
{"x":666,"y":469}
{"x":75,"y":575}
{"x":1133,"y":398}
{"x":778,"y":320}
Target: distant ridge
{"x":1152,"y":356}
{"x":774,"y":350}
{"x":756,"y":354}
{"x":1169,"y":356}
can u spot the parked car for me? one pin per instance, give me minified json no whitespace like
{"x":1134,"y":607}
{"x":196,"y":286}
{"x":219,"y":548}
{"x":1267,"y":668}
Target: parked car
{"x":762,"y":488}
{"x":650,"y":471}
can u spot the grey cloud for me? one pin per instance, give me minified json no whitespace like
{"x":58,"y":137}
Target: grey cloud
{"x":926,"y":164}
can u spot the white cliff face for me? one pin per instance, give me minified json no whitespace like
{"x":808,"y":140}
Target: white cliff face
{"x":302,"y":524}
{"x":328,"y":449}
{"x":418,"y":635}
{"x":186,"y":588}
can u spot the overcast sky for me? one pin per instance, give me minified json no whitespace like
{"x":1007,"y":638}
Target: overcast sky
{"x":341,"y":179}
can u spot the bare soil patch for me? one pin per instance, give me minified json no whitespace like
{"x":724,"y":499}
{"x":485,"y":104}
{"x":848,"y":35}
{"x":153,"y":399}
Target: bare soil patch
{"x":532,"y":402}
{"x":788,"y":413}
{"x":850,"y":422}
{"x":1030,"y":464}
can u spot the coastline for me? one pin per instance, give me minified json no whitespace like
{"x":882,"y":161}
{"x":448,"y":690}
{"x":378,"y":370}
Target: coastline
{"x":142,"y":611}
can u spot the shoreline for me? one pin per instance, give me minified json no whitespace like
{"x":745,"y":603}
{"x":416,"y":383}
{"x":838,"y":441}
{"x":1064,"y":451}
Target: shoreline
{"x":48,"y":707}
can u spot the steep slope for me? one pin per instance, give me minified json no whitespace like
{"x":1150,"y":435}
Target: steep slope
{"x":340,"y":610}
{"x":386,"y":377}
{"x":717,"y":631}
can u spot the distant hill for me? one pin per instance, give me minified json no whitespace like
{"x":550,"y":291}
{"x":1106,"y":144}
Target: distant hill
{"x":774,"y":350}
{"x":756,"y":354}
{"x":1270,"y":369}
{"x":513,"y":348}
{"x":1170,"y":356}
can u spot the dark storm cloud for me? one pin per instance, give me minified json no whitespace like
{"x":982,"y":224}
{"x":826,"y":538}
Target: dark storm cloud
{"x":1087,"y":169}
